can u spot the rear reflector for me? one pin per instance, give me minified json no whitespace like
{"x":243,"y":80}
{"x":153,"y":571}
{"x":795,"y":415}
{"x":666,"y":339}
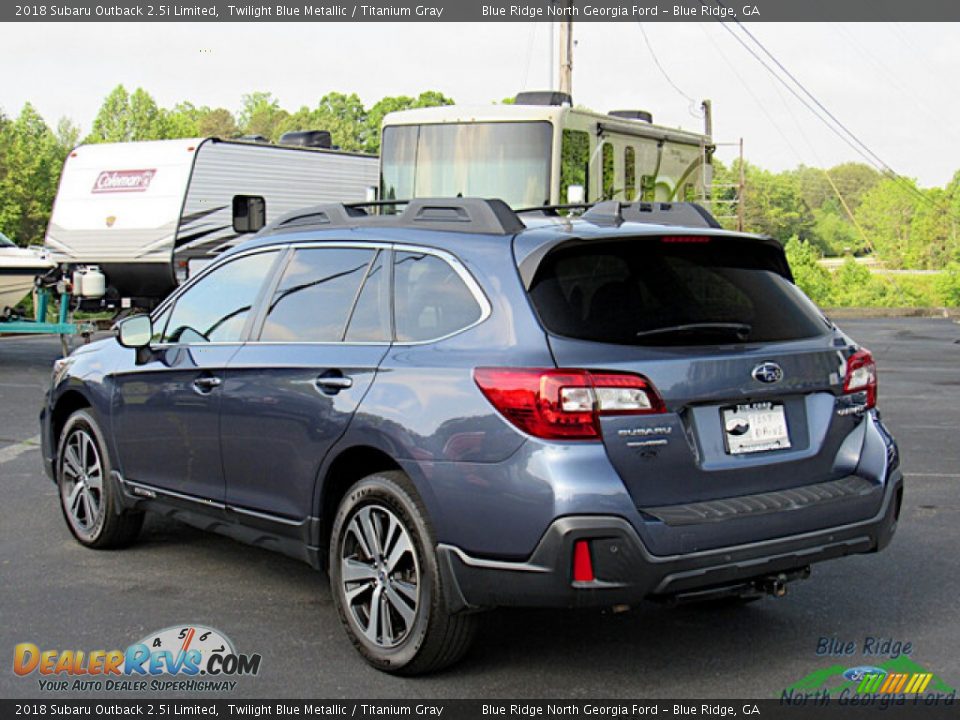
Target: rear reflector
{"x":566,"y":404}
{"x":862,"y":376}
{"x":582,"y":563}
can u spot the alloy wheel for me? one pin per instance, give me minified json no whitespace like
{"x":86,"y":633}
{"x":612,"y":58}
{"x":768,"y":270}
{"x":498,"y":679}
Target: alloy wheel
{"x":81,"y":487}
{"x":380,"y":576}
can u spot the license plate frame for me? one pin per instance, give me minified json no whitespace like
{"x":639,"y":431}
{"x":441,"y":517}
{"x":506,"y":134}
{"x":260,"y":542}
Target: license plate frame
{"x":766,"y":428}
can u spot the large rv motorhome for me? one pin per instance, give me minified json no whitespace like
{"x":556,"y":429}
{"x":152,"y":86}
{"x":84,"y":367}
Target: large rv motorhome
{"x":147,"y":214}
{"x":540,"y":151}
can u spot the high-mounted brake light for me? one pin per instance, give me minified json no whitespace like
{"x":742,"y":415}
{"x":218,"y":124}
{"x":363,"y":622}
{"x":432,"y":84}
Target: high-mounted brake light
{"x":566,"y":404}
{"x":861,"y":377}
{"x":685,"y":239}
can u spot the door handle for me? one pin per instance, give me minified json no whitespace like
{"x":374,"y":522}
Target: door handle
{"x":332,"y":384}
{"x":206,"y":383}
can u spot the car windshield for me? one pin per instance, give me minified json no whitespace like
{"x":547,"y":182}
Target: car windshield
{"x":653,"y":291}
{"x":508,"y":160}
{"x":6,"y":242}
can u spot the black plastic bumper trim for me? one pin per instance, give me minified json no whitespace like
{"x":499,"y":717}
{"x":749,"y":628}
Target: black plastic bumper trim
{"x":628,"y":572}
{"x":742,"y":506}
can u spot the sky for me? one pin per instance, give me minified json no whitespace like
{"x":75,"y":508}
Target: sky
{"x":892,"y":84}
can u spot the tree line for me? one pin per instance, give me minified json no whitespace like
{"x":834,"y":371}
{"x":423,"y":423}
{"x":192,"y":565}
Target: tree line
{"x":847,"y":210}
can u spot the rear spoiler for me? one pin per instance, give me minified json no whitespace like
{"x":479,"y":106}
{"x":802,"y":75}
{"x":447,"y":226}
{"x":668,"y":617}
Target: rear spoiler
{"x":530,"y":257}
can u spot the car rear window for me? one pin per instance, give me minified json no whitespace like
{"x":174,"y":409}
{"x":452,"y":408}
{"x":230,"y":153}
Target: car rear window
{"x":671,"y":291}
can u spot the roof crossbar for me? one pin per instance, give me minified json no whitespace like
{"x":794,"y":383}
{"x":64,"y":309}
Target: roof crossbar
{"x":465,"y":215}
{"x":687,"y":214}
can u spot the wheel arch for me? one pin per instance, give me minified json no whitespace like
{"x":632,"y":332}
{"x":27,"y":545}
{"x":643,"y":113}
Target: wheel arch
{"x":346,"y":467}
{"x":66,"y":405}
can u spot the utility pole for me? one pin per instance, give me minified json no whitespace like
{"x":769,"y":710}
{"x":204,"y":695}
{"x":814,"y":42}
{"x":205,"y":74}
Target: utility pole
{"x":740,"y":191}
{"x":566,"y":53}
{"x":552,"y":52}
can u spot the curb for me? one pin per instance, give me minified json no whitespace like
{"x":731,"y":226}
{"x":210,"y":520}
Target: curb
{"x":846,"y":313}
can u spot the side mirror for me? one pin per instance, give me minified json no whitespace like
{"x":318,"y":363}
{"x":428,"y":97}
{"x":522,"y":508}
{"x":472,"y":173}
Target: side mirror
{"x":135,"y":332}
{"x":575,"y":194}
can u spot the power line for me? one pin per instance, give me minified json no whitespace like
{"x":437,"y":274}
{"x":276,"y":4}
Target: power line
{"x":852,"y":141}
{"x":666,"y":77}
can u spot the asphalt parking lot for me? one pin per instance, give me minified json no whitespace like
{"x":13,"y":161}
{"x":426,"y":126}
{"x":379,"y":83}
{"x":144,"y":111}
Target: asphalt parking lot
{"x":58,"y":595}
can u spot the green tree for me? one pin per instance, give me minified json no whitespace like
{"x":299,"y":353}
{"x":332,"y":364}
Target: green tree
{"x":886,"y":214}
{"x":218,"y":122}
{"x":933,"y":231}
{"x":262,"y":115}
{"x":374,"y":119}
{"x":773,"y":205}
{"x":32,"y":159}
{"x":183,"y":120}
{"x":810,"y":277}
{"x":345,"y":117}
{"x":67,"y":134}
{"x":112,"y":123}
{"x":855,"y":286}
{"x":853,"y":181}
{"x":124,"y":118}
{"x":147,"y":120}
{"x":948,"y":285}
{"x":833,"y":232}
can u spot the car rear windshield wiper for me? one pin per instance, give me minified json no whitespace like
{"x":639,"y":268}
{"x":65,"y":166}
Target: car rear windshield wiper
{"x":741,"y":330}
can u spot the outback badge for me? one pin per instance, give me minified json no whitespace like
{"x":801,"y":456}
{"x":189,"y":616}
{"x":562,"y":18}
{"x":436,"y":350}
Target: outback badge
{"x":768,"y":373}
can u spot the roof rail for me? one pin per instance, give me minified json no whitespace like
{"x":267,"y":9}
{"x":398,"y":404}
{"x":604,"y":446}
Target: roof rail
{"x":687,"y":214}
{"x":465,"y":215}
{"x":553,"y":210}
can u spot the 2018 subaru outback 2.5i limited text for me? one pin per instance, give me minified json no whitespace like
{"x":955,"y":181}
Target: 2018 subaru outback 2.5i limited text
{"x":454,"y":409}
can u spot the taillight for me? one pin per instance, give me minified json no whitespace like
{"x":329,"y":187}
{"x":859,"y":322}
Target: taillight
{"x":566,"y":404}
{"x":861,"y":377}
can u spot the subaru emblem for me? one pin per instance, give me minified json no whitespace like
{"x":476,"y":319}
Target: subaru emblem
{"x":768,"y":373}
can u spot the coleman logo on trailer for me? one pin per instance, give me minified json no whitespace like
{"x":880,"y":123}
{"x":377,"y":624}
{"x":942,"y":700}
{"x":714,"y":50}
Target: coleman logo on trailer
{"x":123,"y":181}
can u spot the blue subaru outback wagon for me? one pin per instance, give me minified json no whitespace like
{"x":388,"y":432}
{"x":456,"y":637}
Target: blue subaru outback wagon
{"x":458,"y":407}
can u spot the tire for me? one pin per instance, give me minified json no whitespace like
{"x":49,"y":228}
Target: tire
{"x":86,"y":489}
{"x":412,"y":632}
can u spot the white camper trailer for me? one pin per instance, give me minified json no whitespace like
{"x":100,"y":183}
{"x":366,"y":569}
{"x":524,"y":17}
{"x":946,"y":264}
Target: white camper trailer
{"x":148,"y":213}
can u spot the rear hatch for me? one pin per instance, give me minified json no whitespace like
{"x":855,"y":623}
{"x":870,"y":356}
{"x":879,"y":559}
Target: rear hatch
{"x":747,"y":367}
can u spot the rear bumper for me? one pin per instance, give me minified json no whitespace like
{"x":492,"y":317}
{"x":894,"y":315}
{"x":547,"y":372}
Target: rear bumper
{"x":626,"y":571}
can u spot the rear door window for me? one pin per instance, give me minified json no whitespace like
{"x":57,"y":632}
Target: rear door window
{"x":670,"y":291}
{"x":431,"y":300}
{"x":316,"y":293}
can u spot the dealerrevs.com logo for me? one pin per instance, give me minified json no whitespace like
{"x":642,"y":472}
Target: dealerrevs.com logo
{"x":110,"y":181}
{"x":181,"y":657}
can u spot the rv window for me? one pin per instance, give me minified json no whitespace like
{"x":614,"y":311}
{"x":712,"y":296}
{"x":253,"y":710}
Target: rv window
{"x":575,"y":162}
{"x":609,"y":178}
{"x":648,"y":187}
{"x":249,"y":213}
{"x":630,"y":173}
{"x":509,"y":160}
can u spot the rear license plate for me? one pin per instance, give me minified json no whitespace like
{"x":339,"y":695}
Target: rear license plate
{"x":754,"y":428}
